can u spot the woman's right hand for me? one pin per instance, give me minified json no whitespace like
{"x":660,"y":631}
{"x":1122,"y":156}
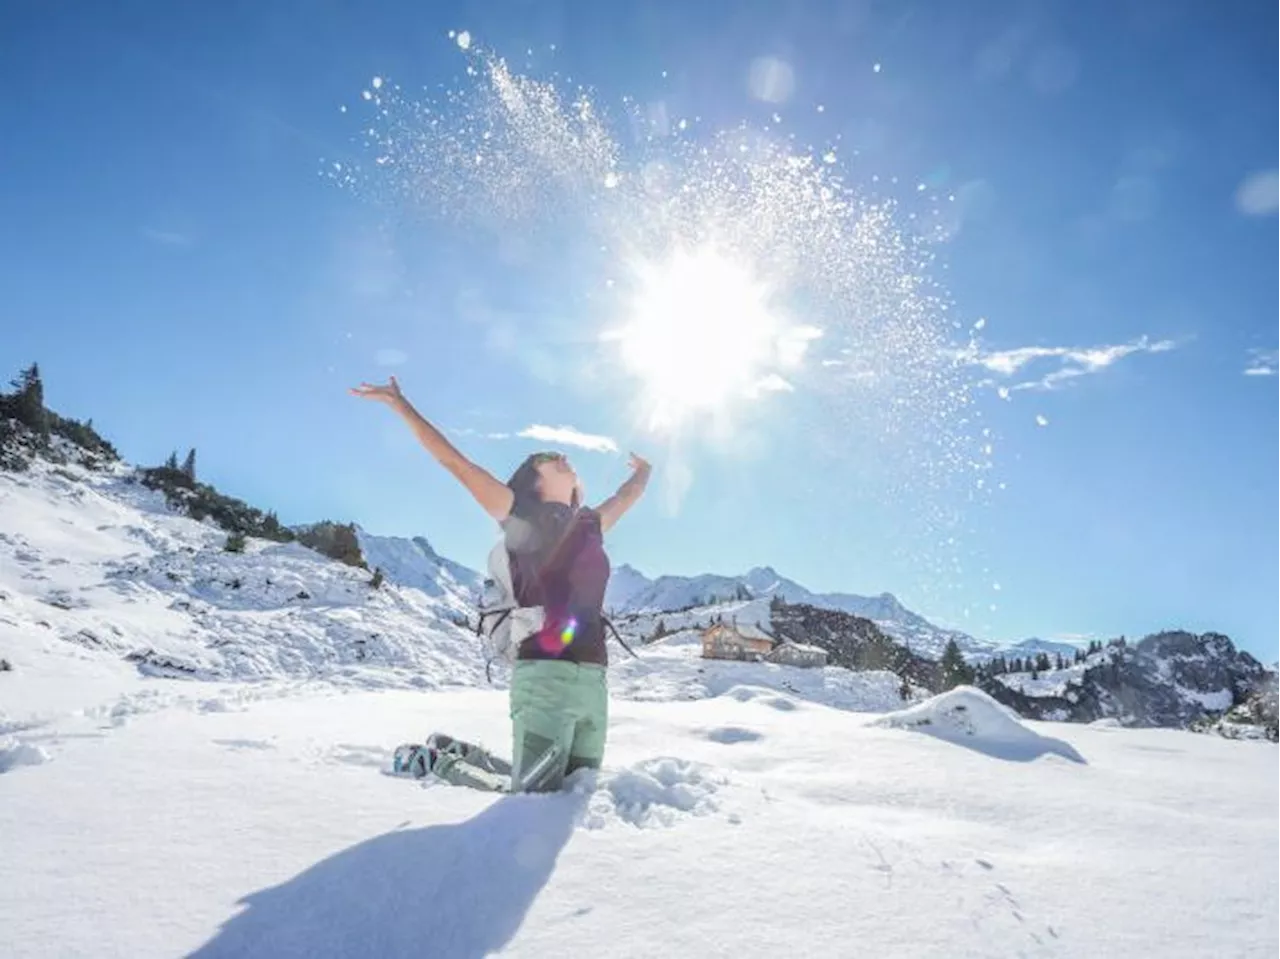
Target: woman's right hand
{"x":388,"y":393}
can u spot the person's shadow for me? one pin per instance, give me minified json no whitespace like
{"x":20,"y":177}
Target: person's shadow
{"x":458,"y":891}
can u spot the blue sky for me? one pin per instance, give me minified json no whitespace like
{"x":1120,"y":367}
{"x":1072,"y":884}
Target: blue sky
{"x":173,"y":257}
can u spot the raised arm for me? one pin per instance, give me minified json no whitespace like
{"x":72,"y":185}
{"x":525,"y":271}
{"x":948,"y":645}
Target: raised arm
{"x":490,"y":492}
{"x":611,"y":510}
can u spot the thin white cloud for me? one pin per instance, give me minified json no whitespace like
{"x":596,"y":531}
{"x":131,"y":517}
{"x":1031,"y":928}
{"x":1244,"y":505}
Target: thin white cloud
{"x":1072,"y":362}
{"x":468,"y":431}
{"x":773,"y":383}
{"x":168,"y":237}
{"x":1262,"y":363}
{"x":1259,"y":193}
{"x":569,"y":436}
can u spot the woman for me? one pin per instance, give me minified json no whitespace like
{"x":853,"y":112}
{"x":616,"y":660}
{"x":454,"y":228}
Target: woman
{"x":559,"y":696}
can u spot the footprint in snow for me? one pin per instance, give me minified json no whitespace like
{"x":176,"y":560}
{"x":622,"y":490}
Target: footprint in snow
{"x":244,"y":743}
{"x":728,"y":735}
{"x":354,"y":755}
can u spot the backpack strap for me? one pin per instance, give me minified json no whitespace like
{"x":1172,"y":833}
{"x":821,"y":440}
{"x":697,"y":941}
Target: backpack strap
{"x":618,"y":636}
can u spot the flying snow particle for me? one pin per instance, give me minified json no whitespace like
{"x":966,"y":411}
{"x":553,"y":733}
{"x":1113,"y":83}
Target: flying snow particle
{"x":464,"y":39}
{"x":981,"y":324}
{"x":1041,"y":420}
{"x":876,"y":68}
{"x":377,"y":83}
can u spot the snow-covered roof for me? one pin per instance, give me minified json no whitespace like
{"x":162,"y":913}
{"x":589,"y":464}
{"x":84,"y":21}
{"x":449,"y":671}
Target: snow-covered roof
{"x":745,"y":630}
{"x":804,"y":647}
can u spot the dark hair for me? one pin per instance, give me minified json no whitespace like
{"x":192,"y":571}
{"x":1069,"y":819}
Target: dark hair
{"x":524,"y":482}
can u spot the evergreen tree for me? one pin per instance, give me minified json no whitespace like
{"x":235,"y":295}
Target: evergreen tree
{"x":955,"y":671}
{"x":189,"y":465}
{"x":1061,"y":663}
{"x":378,"y":579}
{"x":1042,"y":663}
{"x":28,"y":402}
{"x":1035,"y":674}
{"x":172,"y":462}
{"x":235,"y":542}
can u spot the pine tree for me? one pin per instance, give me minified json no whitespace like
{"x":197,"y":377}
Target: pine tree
{"x":235,"y":542}
{"x":1061,"y":663}
{"x":189,"y":465}
{"x":378,"y":579}
{"x":1035,"y":674}
{"x":955,"y":671}
{"x":172,"y":462}
{"x":1043,"y":664}
{"x":28,"y":402}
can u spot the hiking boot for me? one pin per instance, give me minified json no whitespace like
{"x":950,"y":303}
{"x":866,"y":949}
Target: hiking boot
{"x":414,"y":760}
{"x":443,"y":743}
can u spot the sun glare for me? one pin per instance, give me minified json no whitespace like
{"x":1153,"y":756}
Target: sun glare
{"x":700,"y":335}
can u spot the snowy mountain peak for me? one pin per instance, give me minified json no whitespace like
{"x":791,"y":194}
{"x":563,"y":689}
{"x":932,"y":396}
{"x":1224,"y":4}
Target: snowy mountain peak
{"x":413,"y":562}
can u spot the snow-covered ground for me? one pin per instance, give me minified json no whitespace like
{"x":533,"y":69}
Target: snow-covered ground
{"x":226,"y":794}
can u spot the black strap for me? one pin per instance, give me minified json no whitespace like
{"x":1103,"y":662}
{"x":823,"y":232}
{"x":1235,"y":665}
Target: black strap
{"x":502,"y":614}
{"x":618,"y":636}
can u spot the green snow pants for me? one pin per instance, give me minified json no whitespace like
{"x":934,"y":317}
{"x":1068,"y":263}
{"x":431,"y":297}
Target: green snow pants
{"x":560,"y":715}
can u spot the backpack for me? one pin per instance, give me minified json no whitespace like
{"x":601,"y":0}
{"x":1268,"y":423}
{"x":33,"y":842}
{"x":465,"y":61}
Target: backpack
{"x":504,"y":624}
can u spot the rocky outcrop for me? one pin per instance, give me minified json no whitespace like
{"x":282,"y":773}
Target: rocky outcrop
{"x":1174,"y":679}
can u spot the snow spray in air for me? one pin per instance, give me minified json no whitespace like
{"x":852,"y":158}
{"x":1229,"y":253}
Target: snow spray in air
{"x":742,"y":291}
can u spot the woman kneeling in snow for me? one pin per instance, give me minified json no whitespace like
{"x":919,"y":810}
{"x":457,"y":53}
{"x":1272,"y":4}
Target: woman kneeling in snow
{"x":559,"y":695}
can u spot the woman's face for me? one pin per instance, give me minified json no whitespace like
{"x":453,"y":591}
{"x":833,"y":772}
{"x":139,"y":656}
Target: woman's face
{"x":557,"y":482}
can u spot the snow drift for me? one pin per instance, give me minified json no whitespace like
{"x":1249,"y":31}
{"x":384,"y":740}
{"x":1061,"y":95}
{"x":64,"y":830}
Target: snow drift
{"x":969,"y":717}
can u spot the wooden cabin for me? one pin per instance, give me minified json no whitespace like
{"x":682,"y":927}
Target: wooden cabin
{"x":736,"y":641}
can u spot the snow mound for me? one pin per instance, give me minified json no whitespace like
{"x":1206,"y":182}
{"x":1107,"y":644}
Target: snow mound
{"x":14,"y":753}
{"x":970,"y":717}
{"x":656,"y":793}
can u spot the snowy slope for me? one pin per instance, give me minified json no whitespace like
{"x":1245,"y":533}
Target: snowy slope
{"x":98,"y":577}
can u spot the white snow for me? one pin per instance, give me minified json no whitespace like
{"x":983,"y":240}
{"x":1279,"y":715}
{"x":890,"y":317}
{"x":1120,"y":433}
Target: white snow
{"x":16,"y":753}
{"x":240,"y":808}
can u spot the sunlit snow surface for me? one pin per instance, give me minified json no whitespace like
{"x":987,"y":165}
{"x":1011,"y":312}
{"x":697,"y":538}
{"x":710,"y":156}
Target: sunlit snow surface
{"x":147,"y":813}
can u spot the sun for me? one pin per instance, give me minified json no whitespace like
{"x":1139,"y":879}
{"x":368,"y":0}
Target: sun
{"x":701,"y":335}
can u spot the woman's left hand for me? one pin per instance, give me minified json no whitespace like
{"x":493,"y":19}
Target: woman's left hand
{"x":639,"y":465}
